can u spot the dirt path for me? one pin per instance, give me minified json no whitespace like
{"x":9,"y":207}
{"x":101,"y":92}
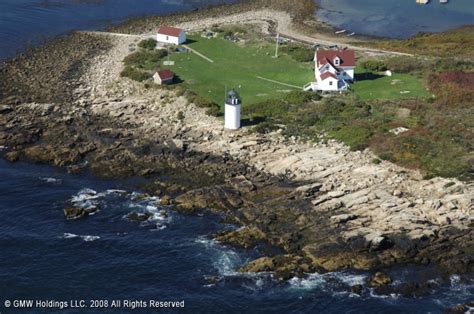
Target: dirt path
{"x":283,"y":22}
{"x":198,"y":53}
{"x":279,"y":83}
{"x":98,"y":33}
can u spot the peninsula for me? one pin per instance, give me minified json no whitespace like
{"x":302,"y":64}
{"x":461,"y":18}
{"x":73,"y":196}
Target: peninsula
{"x":325,"y":178}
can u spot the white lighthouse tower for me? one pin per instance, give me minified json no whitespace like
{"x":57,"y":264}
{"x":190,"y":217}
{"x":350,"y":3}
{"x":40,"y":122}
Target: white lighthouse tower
{"x":232,"y":111}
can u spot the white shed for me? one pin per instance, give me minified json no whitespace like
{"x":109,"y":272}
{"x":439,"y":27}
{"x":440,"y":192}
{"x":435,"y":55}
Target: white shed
{"x":171,"y":35}
{"x":163,"y":77}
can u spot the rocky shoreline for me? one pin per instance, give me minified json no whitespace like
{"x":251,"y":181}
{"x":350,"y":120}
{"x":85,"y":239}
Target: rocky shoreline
{"x":325,"y":207}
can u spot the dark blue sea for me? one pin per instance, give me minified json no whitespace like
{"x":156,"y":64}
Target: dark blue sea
{"x":24,"y":23}
{"x":170,"y":257}
{"x":395,"y":18}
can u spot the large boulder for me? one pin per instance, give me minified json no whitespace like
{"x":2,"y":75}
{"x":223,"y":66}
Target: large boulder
{"x":380,"y":279}
{"x":262,"y":264}
{"x":243,"y":237}
{"x":74,"y":212}
{"x":12,"y":156}
{"x":134,"y":216}
{"x":79,"y":212}
{"x":4,"y":109}
{"x":217,"y":198}
{"x":284,"y":266}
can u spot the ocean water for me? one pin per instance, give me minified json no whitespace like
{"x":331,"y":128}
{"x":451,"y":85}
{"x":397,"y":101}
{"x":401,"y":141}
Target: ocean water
{"x":24,"y":23}
{"x":395,"y":18}
{"x":169,"y":257}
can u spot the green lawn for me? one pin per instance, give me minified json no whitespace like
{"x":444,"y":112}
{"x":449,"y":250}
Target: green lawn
{"x":236,"y":67}
{"x":370,"y":86}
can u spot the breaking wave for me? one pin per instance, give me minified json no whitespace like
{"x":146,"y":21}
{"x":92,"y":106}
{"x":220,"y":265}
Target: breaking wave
{"x":86,"y":238}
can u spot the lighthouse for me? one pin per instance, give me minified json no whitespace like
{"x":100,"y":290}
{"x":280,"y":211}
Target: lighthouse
{"x":232,"y":111}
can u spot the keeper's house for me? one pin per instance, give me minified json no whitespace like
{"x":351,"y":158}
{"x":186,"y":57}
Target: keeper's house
{"x":171,"y":35}
{"x":334,"y":69}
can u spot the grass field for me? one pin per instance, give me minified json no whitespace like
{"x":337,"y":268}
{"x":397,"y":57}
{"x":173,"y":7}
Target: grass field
{"x":370,"y":86}
{"x":235,"y":66}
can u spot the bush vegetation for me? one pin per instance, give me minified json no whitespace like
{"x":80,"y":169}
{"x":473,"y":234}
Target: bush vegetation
{"x":439,"y":141}
{"x":265,"y":127}
{"x":214,"y":111}
{"x":454,"y":43}
{"x":373,"y":65}
{"x":139,"y":66}
{"x":135,"y":74}
{"x":148,"y":44}
{"x":299,"y":52}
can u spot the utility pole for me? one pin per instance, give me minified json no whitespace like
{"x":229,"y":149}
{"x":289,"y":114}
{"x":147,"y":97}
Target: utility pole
{"x":277,"y":44}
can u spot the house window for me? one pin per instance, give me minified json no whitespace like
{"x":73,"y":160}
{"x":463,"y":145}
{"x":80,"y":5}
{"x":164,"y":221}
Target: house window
{"x":330,"y":83}
{"x":336,"y":61}
{"x":167,"y":38}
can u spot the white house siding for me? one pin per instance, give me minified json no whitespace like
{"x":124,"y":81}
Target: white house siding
{"x":172,"y":39}
{"x":349,"y":73}
{"x":326,"y":84}
{"x":157,"y":79}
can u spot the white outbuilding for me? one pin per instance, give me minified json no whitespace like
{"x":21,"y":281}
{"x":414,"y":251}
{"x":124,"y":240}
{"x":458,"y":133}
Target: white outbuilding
{"x":162,"y":77}
{"x":232,"y":111}
{"x":171,"y":35}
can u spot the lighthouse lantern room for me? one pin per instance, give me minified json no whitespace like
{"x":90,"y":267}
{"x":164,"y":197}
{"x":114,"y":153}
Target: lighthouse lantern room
{"x":232,"y":111}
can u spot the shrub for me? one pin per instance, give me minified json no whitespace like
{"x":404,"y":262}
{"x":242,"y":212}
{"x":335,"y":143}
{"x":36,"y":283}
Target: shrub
{"x":200,"y":101}
{"x":145,"y":59}
{"x":276,"y":108}
{"x":404,"y":64}
{"x":148,"y":44}
{"x":357,"y":137}
{"x":449,"y":184}
{"x":214,"y":110}
{"x":387,"y":156}
{"x":299,"y":53}
{"x":376,"y":161}
{"x":300,"y":97}
{"x":135,"y":74}
{"x":265,"y":127}
{"x":180,"y":91}
{"x":181,"y":115}
{"x":374,"y":65}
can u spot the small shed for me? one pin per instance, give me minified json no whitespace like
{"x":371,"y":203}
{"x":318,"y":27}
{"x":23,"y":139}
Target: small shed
{"x":163,"y":77}
{"x":171,"y":35}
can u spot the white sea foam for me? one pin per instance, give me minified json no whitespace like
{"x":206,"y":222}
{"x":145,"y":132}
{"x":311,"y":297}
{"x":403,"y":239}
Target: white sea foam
{"x":86,"y":238}
{"x":205,"y":241}
{"x":389,"y":297}
{"x":115,"y":192}
{"x":70,"y":236}
{"x":226,"y":260}
{"x":310,"y":282}
{"x":87,"y":199}
{"x":90,"y":238}
{"x":50,"y":180}
{"x":349,"y":279}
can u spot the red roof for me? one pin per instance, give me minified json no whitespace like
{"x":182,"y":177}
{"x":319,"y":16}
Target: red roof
{"x":169,"y":31}
{"x":328,"y":74}
{"x":347,"y":57}
{"x":166,"y":74}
